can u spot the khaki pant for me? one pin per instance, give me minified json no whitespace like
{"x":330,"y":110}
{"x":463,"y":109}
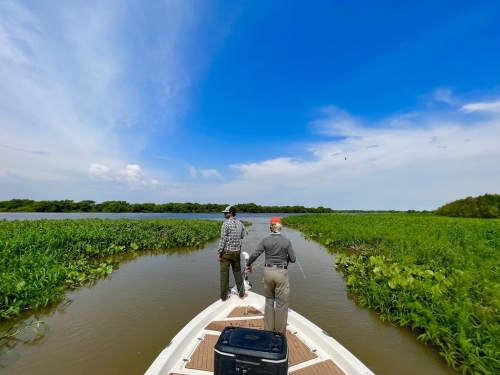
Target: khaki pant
{"x":230,"y":259}
{"x":276,"y":288}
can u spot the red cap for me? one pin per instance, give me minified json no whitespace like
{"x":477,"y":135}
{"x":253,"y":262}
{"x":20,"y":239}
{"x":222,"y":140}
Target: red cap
{"x":275,"y":220}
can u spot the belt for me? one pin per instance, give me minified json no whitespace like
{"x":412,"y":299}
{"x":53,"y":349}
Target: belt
{"x":275,"y":266}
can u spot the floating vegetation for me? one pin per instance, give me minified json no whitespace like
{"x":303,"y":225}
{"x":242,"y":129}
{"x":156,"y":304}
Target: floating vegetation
{"x":438,"y":275}
{"x":39,"y":259}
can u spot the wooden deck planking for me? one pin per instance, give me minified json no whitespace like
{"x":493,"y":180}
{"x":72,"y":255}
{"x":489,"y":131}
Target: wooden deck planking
{"x":203,"y":356}
{"x":297,"y":350}
{"x":327,"y":367}
{"x":241,"y":311}
{"x":247,"y":323}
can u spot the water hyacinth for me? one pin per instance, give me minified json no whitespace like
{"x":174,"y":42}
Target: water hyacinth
{"x":437,"y":275}
{"x":39,"y":259}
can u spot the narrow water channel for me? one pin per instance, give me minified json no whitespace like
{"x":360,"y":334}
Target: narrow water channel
{"x":120,"y":324}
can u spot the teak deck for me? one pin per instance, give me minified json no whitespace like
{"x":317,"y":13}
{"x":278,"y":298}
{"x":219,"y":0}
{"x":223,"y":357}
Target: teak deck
{"x":302,"y":357}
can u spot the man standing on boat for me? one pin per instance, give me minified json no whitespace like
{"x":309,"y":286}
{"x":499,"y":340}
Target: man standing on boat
{"x":229,"y":252}
{"x":278,"y":252}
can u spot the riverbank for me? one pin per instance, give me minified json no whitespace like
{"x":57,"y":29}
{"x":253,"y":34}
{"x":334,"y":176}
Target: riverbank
{"x":40,"y":259}
{"x":437,"y":275}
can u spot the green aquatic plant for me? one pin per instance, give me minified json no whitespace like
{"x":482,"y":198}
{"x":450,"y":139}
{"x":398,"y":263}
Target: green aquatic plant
{"x":437,"y":275}
{"x":39,"y":259}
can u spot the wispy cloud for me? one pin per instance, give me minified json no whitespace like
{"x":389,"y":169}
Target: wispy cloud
{"x":91,"y":92}
{"x":445,"y":95}
{"x":61,"y":88}
{"x":426,"y":163}
{"x":209,"y":174}
{"x":336,"y":122}
{"x":491,"y":107}
{"x":69,"y":83}
{"x":41,"y":153}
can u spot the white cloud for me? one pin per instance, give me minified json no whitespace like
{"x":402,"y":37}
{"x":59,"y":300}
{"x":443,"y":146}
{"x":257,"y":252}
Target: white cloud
{"x":193,"y":172}
{"x":338,"y":123}
{"x":435,"y":158}
{"x":208,"y":174}
{"x":69,"y":79}
{"x":492,"y":107}
{"x":132,"y":175}
{"x":60,"y":87}
{"x":101,"y":171}
{"x":445,"y":95}
{"x":70,"y":103}
{"x":211,"y":174}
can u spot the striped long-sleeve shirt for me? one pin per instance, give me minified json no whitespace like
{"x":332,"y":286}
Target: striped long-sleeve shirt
{"x":231,"y":234}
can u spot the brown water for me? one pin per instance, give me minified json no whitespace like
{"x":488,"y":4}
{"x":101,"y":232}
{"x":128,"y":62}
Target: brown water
{"x":120,"y":324}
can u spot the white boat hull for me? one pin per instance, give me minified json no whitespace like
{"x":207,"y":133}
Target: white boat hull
{"x":179,"y":357}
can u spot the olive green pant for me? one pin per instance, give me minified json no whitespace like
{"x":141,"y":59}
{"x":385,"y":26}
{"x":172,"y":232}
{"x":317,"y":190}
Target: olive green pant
{"x":276,"y":289}
{"x":230,"y":258}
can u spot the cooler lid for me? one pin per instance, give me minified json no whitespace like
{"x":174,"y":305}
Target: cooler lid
{"x":253,"y":342}
{"x":252,"y":339}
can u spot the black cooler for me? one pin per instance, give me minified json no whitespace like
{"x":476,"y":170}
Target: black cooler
{"x":250,"y":351}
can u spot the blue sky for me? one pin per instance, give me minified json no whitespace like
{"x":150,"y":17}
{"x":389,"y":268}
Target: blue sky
{"x":343,"y":104}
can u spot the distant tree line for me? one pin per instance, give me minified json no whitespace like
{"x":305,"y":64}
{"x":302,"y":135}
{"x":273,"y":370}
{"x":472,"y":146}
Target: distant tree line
{"x":27,"y":205}
{"x":485,"y":206}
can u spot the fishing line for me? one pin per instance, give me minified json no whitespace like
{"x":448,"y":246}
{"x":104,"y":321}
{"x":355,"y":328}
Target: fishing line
{"x":258,"y":264}
{"x":244,"y":275}
{"x":286,"y":234}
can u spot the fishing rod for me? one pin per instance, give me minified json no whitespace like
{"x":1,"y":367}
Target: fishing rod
{"x":286,"y":234}
{"x":245,"y":282}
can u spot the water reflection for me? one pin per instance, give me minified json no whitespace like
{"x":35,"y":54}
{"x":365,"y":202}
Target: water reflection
{"x":32,"y":333}
{"x":8,"y":354}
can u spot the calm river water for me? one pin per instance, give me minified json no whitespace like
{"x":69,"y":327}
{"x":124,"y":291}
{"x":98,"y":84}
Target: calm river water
{"x":120,"y":324}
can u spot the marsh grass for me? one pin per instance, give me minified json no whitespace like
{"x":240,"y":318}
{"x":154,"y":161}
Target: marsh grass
{"x":438,"y":275}
{"x":40,"y":259}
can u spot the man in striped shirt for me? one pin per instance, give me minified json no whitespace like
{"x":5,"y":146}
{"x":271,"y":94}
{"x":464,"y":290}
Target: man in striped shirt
{"x":229,"y":253}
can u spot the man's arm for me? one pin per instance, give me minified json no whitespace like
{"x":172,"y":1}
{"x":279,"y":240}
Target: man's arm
{"x":223,"y":238}
{"x":254,"y":256}
{"x":256,"y":253}
{"x":242,"y":230}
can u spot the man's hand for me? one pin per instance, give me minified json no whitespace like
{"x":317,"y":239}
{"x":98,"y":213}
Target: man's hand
{"x":219,"y":257}
{"x":248,"y":269}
